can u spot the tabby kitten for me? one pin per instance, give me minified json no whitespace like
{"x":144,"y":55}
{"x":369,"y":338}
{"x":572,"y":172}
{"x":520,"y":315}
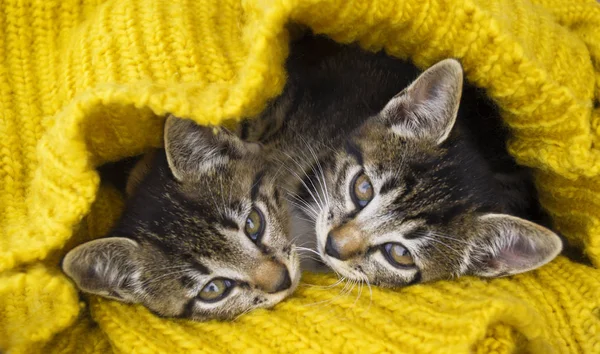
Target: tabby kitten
{"x":397,"y":184}
{"x":204,"y":234}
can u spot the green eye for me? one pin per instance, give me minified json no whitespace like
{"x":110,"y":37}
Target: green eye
{"x":216,"y":290}
{"x":361,"y":190}
{"x":397,"y":255}
{"x":255,"y":225}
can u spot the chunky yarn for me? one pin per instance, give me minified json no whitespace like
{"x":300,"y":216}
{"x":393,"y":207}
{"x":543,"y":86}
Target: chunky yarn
{"x":84,"y":82}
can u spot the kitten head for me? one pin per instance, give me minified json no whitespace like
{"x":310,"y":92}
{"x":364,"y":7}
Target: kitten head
{"x":204,"y":235}
{"x":409,"y":201}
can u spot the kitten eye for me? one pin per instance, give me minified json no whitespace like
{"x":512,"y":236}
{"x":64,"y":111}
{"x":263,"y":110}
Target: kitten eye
{"x":216,"y":290}
{"x":397,"y":255}
{"x":255,"y":225}
{"x":361,"y":190}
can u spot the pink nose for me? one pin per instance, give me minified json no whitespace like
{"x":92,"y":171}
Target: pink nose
{"x":345,"y":242}
{"x":272,"y":277}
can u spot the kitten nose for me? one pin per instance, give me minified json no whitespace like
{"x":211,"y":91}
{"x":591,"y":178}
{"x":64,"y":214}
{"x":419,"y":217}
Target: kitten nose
{"x":285,"y":282}
{"x":330,"y":248}
{"x":345,"y":242}
{"x":272,"y":277}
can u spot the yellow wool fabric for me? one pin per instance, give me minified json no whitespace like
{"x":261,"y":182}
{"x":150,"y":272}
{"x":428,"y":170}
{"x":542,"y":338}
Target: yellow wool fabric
{"x":83,"y":82}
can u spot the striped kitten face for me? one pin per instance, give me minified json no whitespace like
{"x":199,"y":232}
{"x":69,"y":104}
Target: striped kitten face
{"x":407,"y":202}
{"x":204,"y":234}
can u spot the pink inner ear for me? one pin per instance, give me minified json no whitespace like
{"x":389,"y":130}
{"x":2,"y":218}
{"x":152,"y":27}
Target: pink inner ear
{"x":519,"y":253}
{"x":510,"y":257}
{"x":516,"y":245}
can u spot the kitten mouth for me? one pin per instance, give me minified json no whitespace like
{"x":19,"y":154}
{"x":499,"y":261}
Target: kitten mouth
{"x":273,"y":300}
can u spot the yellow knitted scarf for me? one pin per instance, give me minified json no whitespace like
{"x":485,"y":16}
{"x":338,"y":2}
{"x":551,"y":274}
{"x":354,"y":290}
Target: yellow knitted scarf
{"x":83,"y":82}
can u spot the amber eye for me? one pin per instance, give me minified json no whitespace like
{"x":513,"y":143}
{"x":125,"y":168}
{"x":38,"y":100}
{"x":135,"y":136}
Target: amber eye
{"x":255,"y":225}
{"x":397,"y":255}
{"x":216,"y":290}
{"x":361,"y":190}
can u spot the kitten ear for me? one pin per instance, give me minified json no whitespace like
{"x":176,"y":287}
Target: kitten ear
{"x":427,"y":108}
{"x":513,"y":245}
{"x":193,"y":149}
{"x":104,"y":267}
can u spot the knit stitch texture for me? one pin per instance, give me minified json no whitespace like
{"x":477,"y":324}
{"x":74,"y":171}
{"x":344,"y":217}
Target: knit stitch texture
{"x":84,"y":82}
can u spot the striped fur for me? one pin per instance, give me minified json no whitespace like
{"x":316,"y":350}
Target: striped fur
{"x":183,"y":227}
{"x":445,"y":189}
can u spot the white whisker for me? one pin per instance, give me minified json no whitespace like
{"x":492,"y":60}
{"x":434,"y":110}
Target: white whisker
{"x":318,"y":201}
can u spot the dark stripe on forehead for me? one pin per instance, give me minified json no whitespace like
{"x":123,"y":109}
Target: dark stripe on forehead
{"x":422,"y":216}
{"x":272,"y":207}
{"x":229,"y":223}
{"x":256,"y":184}
{"x":187,"y":281}
{"x":200,"y":268}
{"x":415,"y":233}
{"x":409,"y":185}
{"x":236,"y":205}
{"x":433,"y":163}
{"x":445,"y":215}
{"x":389,"y":185}
{"x":453,"y":211}
{"x":165,"y":246}
{"x":354,"y":150}
{"x":442,"y":215}
{"x":427,"y":216}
